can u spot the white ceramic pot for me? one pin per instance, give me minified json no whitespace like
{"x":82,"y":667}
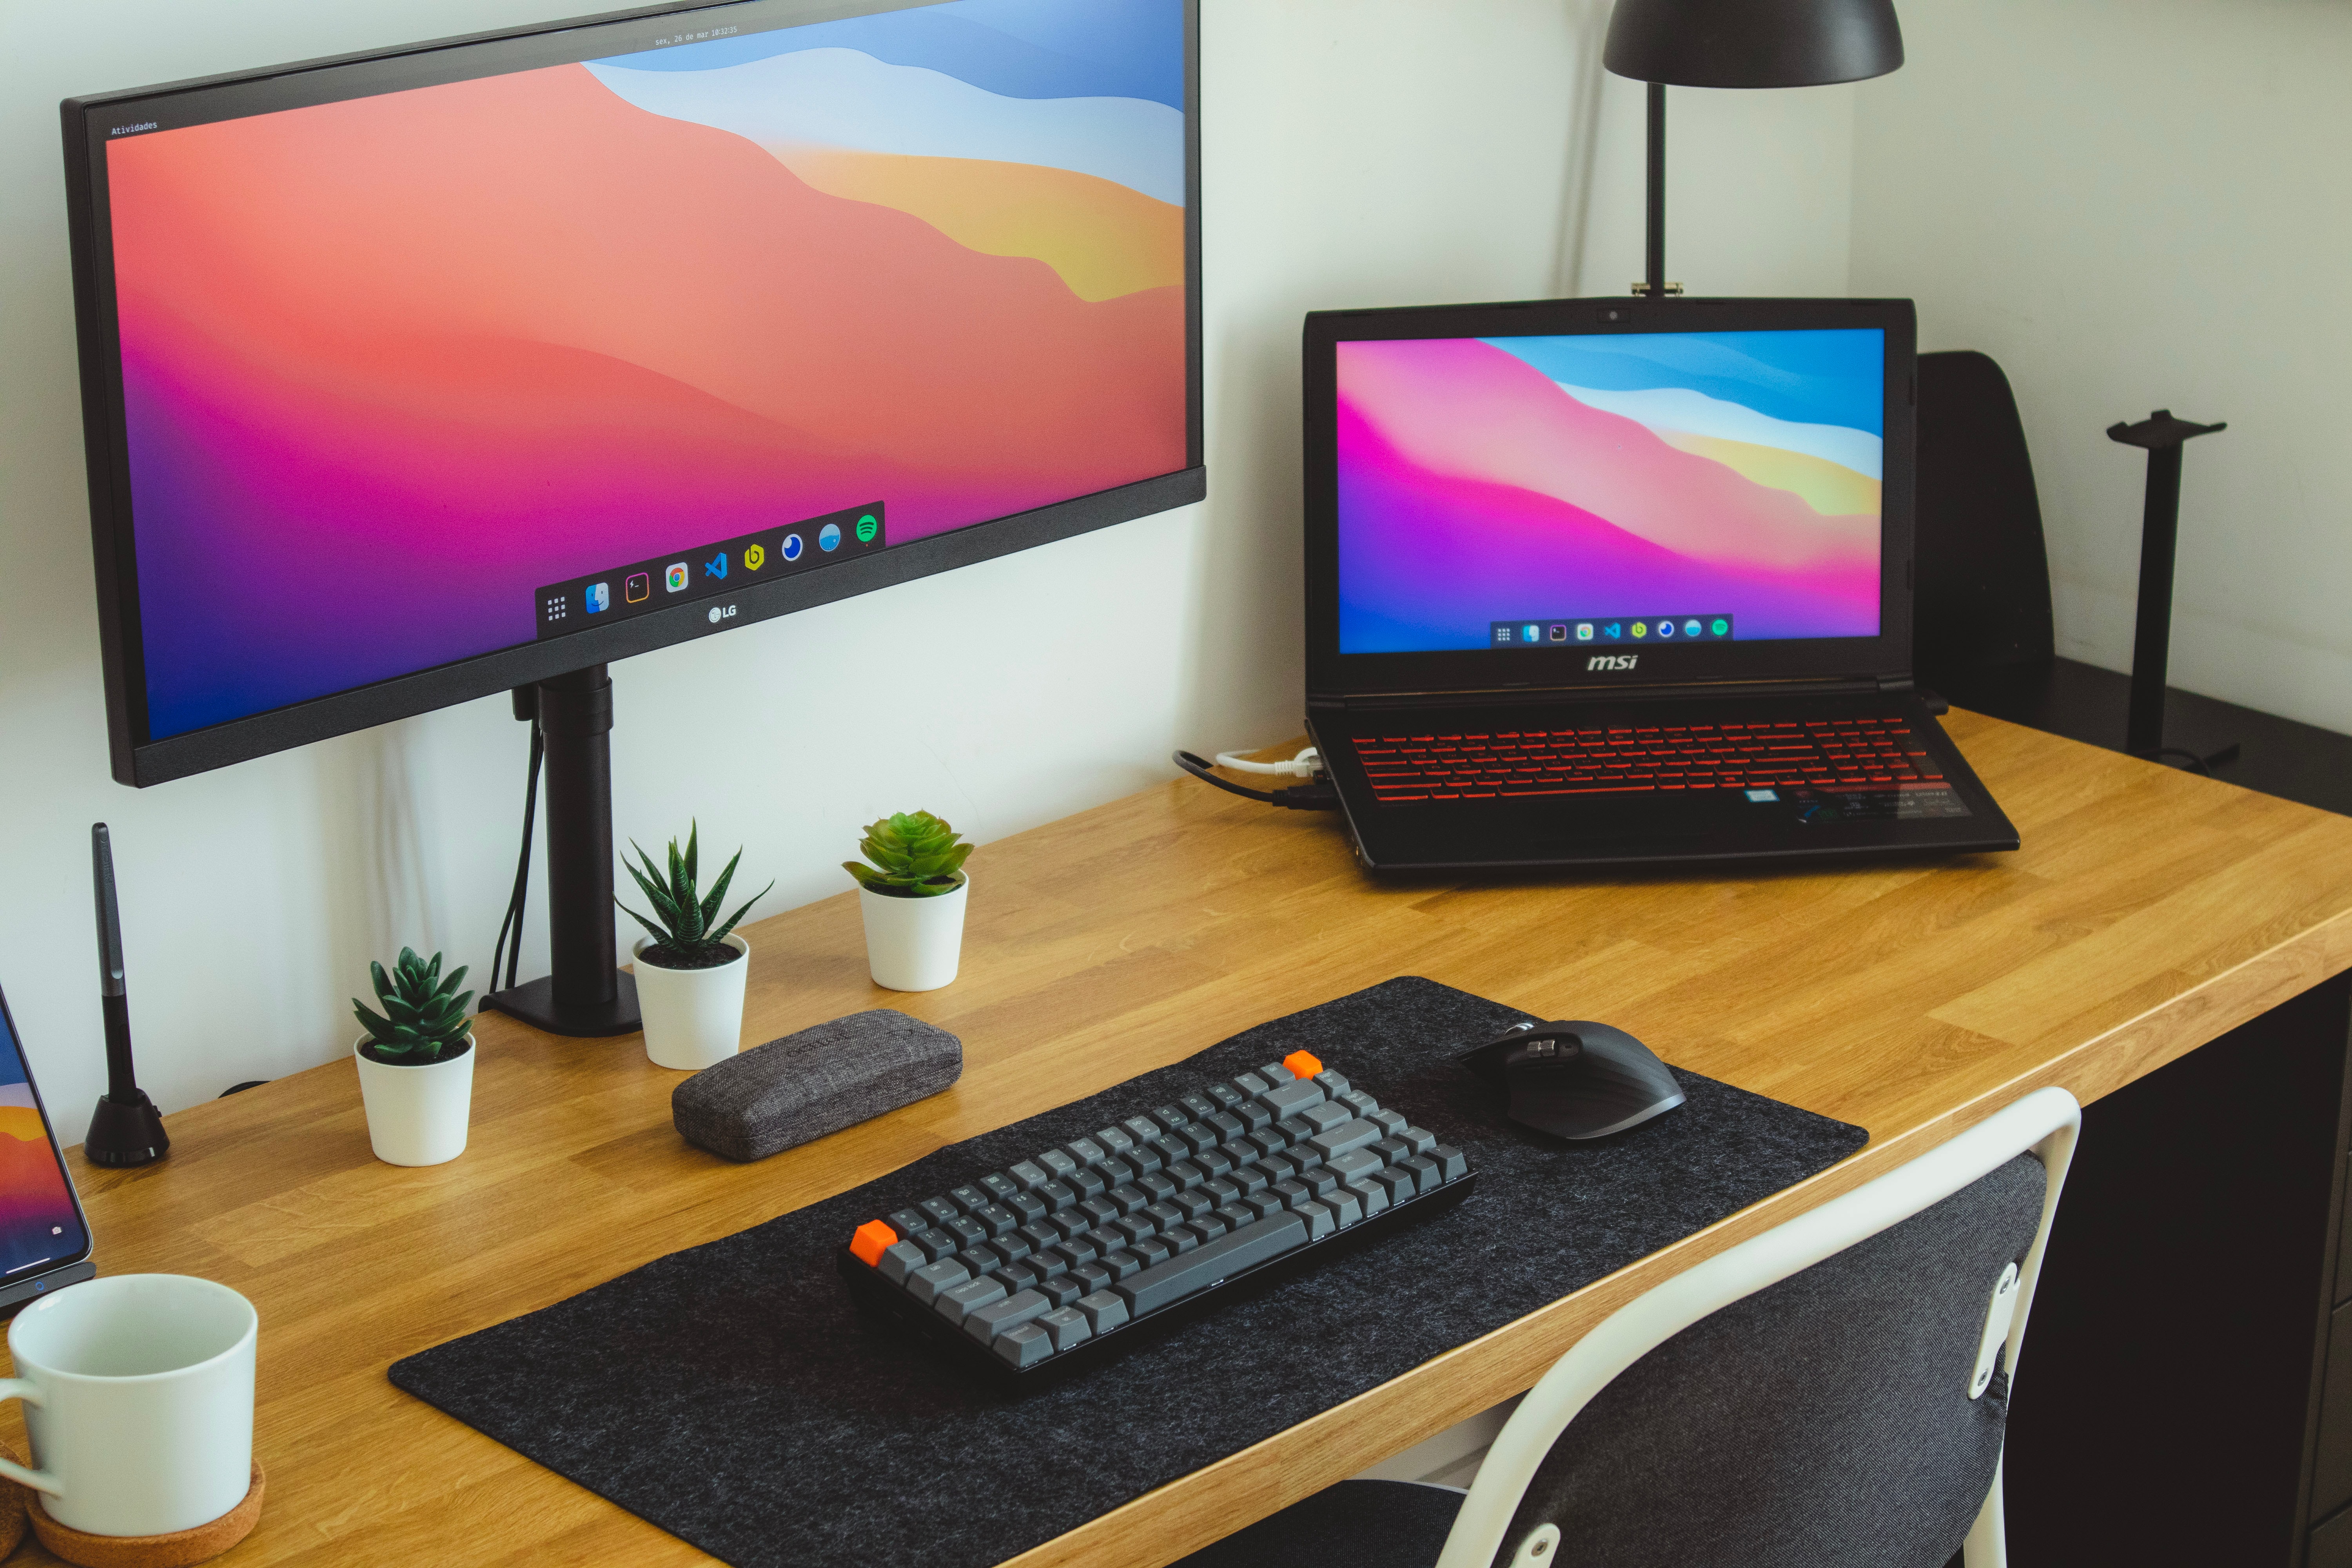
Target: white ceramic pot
{"x":417,"y":1115}
{"x":694,"y":1017}
{"x":913,"y":944}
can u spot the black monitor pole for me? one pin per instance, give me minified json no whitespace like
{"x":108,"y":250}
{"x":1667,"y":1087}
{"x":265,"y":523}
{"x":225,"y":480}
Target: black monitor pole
{"x":586,"y":995}
{"x":2162,"y":437}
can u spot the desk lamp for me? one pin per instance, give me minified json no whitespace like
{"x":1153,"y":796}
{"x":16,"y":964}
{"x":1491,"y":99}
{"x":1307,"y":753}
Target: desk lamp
{"x":1739,"y":43}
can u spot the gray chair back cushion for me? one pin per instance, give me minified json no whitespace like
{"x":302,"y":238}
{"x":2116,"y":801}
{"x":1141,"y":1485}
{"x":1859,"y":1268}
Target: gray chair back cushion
{"x":1822,"y":1423}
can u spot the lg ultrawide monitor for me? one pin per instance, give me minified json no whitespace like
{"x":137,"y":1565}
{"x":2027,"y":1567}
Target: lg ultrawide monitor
{"x":415,"y":375}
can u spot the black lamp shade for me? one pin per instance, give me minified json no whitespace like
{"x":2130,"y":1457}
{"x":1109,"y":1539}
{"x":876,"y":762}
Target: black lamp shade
{"x":1753,"y":43}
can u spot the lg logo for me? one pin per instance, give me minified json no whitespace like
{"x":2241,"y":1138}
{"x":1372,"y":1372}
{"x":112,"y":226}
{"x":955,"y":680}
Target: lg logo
{"x":1613,"y":661}
{"x":721,"y":613}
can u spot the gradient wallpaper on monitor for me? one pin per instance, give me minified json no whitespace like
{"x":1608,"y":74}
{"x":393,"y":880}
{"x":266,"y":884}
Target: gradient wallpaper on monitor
{"x":37,"y":1213}
{"x":390,"y":363}
{"x":1659,"y":473}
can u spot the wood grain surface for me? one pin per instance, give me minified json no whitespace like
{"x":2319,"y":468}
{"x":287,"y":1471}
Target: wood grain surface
{"x":2147,"y":912}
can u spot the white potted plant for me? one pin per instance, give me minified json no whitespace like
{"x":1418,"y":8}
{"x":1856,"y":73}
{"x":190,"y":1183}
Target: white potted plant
{"x":690,"y":969}
{"x":912,"y":897}
{"x":417,"y":1062}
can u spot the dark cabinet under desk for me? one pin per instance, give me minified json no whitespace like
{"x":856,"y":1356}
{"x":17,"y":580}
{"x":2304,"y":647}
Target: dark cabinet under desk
{"x":2186,"y":1392}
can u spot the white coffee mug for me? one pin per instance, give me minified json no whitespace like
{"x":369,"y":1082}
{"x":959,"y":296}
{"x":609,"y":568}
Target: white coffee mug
{"x":138,"y":1394}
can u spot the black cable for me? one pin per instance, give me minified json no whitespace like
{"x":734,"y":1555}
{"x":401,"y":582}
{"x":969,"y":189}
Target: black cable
{"x":1317,"y":796}
{"x":2196,"y":765}
{"x":519,"y":897}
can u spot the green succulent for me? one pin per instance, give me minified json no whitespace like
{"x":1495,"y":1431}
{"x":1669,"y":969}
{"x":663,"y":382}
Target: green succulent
{"x":915,"y":855}
{"x":424,"y":1018}
{"x":689,"y":934}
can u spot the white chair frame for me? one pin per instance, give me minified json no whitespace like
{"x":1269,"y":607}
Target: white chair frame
{"x":2045,"y":1123}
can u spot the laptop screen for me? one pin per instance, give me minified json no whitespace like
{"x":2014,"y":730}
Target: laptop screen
{"x":1626,"y":489}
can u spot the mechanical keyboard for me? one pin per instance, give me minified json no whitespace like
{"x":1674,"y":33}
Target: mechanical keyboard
{"x":1864,"y":753}
{"x":1060,"y":1259}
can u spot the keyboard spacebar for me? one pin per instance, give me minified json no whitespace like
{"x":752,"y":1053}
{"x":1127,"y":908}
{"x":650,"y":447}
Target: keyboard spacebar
{"x":1212,"y":1261}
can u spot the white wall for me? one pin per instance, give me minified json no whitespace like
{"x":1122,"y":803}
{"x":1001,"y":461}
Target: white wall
{"x":1357,"y":152}
{"x":2134,"y":204}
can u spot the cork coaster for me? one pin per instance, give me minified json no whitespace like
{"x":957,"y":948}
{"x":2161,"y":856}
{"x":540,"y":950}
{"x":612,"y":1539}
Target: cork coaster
{"x":177,"y":1550}
{"x":14,"y":1497}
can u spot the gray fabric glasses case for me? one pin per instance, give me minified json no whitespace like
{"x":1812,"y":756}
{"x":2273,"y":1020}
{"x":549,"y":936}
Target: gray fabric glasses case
{"x":791,"y":1091}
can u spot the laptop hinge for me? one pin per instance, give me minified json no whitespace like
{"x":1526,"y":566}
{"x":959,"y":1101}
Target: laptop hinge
{"x":1895,"y":683}
{"x":1362,"y":702}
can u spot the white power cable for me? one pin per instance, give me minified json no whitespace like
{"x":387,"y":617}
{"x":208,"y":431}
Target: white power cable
{"x":1301,"y":766}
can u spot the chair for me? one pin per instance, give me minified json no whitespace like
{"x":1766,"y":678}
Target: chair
{"x":1832,"y":1392}
{"x":1981,"y":581}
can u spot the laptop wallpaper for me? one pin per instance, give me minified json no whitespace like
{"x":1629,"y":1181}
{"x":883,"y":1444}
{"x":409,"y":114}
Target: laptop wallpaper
{"x":1585,"y":482}
{"x":37,"y":1214}
{"x":390,"y":363}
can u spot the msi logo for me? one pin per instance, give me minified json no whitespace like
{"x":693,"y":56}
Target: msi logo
{"x":1613,"y":661}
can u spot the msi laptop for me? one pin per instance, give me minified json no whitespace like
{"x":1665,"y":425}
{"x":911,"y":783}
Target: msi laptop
{"x":1604,"y":582}
{"x":43,"y":1240}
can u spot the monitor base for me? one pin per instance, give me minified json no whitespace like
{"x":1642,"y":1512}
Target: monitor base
{"x":534,"y":1002}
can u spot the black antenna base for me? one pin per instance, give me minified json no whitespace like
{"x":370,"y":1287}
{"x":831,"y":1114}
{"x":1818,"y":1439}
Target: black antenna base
{"x":126,"y":1132}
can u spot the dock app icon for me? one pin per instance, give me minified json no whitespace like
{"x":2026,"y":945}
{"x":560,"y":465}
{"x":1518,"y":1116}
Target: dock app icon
{"x":674,"y":579}
{"x":637,"y":587}
{"x":599,"y":598}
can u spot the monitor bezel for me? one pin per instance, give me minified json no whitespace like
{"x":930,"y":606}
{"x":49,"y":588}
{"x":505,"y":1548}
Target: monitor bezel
{"x":1332,"y":675}
{"x":87,"y":120}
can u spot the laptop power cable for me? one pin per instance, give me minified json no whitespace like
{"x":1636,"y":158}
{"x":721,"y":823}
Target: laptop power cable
{"x":1318,"y":796}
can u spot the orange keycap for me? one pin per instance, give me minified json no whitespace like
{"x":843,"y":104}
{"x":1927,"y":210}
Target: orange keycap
{"x":873,"y":1238}
{"x":1302,"y":1064}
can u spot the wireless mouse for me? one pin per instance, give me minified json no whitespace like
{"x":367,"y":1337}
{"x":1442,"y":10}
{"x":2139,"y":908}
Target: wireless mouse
{"x":1577,"y":1078}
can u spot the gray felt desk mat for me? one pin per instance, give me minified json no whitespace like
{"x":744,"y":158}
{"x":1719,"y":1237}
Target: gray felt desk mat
{"x":729,"y":1395}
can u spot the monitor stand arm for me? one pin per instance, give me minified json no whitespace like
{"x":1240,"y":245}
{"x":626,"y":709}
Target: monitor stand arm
{"x":586,"y":995}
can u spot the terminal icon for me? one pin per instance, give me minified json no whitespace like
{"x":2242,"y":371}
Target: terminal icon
{"x":637,"y":587}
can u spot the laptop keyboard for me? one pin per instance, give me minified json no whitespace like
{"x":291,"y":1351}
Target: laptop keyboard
{"x":1834,"y":754}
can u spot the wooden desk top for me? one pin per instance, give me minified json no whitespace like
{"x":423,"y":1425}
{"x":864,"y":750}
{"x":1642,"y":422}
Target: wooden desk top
{"x":2148,"y":912}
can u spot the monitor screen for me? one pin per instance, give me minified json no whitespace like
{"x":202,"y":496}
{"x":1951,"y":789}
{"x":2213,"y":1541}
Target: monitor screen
{"x":1636,"y":488}
{"x":40,"y":1224}
{"x":421,"y":372}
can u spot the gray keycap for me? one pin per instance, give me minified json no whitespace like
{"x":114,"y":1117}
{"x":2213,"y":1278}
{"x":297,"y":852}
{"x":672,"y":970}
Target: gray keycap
{"x":1392,"y":1150}
{"x":1292,"y":1194}
{"x":1290,"y":1099}
{"x":1030,"y":1175}
{"x":1425,"y":1173}
{"x":1250,"y":1084}
{"x":1086,"y":1152}
{"x":1346,"y":1205}
{"x":936,"y":1244}
{"x":928,"y":1282}
{"x":1025,"y":1346}
{"x":1061,"y":1290}
{"x":1452,"y":1163}
{"x":1263,"y":1204}
{"x":1353,"y":1163}
{"x":966,"y":1230}
{"x":908,"y":1221}
{"x":1181,"y":1240}
{"x":1068,"y":1327}
{"x":1388,"y":1120}
{"x":940,"y":1209}
{"x":1354,"y":1134}
{"x":1275,"y":1074}
{"x":1057,"y":1163}
{"x":984,"y":1323}
{"x":1094,"y":1276}
{"x":1370,"y":1193}
{"x":1320,"y":1221}
{"x":901,"y":1260}
{"x":1400,"y":1184}
{"x":1214,"y":1261}
{"x":1104,"y":1310}
{"x":1117,"y":1140}
{"x":1326,"y":1116}
{"x":1142,"y":1129}
{"x":1122,"y":1264}
{"x":1151,"y":1249}
{"x":999,"y":1185}
{"x":1363,"y":1104}
{"x":968,"y":1297}
{"x":1421,"y":1139}
{"x":1335,"y":1082}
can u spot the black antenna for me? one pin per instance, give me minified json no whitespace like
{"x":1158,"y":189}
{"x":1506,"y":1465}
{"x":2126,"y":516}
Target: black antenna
{"x":127,"y":1129}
